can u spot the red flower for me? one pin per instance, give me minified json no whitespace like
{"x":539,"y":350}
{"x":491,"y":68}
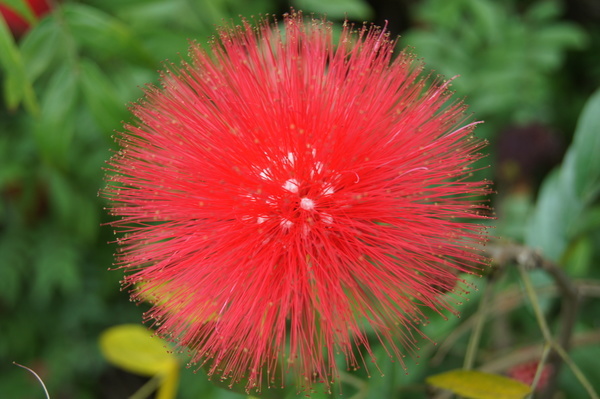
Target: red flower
{"x":282,"y":195}
{"x":17,"y":24}
{"x":525,"y":373}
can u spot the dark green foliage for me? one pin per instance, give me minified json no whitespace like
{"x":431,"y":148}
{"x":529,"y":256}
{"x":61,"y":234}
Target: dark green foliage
{"x":65,"y":87}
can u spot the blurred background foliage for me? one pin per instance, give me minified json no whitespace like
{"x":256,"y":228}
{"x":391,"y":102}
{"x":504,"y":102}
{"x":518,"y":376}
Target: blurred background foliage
{"x":68,"y":69}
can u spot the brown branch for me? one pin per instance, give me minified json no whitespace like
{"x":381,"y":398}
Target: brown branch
{"x":504,"y":303}
{"x":533,"y":352}
{"x":570,"y":295}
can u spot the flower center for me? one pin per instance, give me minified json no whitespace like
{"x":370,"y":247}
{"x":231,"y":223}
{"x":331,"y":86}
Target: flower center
{"x":294,"y":202}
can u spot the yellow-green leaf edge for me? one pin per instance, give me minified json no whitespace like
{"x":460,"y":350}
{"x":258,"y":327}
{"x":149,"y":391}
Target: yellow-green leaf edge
{"x":478,"y":385}
{"x":133,"y":348}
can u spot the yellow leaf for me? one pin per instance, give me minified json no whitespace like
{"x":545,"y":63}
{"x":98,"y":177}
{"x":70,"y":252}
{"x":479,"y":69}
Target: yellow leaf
{"x":169,"y":384}
{"x":477,"y":385}
{"x":133,"y":348}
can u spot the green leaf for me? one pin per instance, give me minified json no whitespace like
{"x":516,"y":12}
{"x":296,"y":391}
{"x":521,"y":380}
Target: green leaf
{"x":543,"y":11}
{"x":579,"y":257}
{"x":513,"y":212}
{"x":566,"y":191}
{"x":318,"y":391}
{"x":55,"y":128}
{"x":75,"y":213}
{"x":17,"y":88}
{"x":561,"y":35}
{"x":586,"y":150}
{"x":12,"y":252}
{"x":487,"y":16}
{"x":477,"y":385}
{"x":104,"y":35}
{"x":56,"y":268}
{"x":136,"y":349}
{"x":101,"y":97}
{"x":337,"y":9}
{"x":385,"y":385}
{"x":547,"y":227}
{"x":41,"y":46}
{"x":588,"y":222}
{"x":548,"y":44}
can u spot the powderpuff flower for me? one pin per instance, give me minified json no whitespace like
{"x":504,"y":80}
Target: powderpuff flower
{"x":285,"y":198}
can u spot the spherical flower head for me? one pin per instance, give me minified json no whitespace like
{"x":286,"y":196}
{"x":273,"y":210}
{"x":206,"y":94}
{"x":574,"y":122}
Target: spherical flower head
{"x":286,"y":197}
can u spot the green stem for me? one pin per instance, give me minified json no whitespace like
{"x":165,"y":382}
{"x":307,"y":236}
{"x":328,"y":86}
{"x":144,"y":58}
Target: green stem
{"x":548,"y":335}
{"x":148,"y":388}
{"x":576,"y":370}
{"x":473,"y":344}
{"x":539,"y":315}
{"x":540,"y":367}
